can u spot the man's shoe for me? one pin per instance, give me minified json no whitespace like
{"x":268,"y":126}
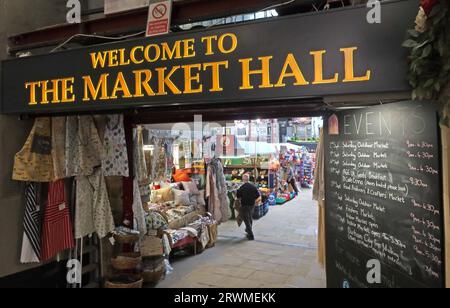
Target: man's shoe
{"x":250,"y":237}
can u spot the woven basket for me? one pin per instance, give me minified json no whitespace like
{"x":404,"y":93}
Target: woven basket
{"x":111,"y":284}
{"x":126,"y":239}
{"x":153,"y":269}
{"x":126,"y":261}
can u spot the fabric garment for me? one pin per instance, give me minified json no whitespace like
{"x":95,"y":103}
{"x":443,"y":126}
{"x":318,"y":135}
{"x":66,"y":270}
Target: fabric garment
{"x":84,"y":150}
{"x":57,"y":233}
{"x":140,"y":165}
{"x":31,"y":243}
{"x":33,"y":163}
{"x":216,"y":191}
{"x":248,"y":193}
{"x":158,"y":163}
{"x":93,"y":209}
{"x":59,"y":147}
{"x":319,"y":195}
{"x":115,"y":159}
{"x":138,"y":210}
{"x":319,"y":173}
{"x":72,"y":147}
{"x":247,"y":217}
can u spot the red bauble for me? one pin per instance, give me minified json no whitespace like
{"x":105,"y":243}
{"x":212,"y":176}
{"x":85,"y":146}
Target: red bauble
{"x":428,"y":5}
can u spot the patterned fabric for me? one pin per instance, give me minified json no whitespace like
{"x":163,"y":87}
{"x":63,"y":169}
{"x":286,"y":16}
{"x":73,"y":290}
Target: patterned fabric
{"x":31,"y":244}
{"x":158,"y":171}
{"x":72,"y":146}
{"x":138,"y":210}
{"x":115,"y":161}
{"x":93,"y":210}
{"x":58,"y":147}
{"x":34,"y":161}
{"x":216,"y":191}
{"x":140,"y":165}
{"x":84,"y":150}
{"x":156,"y":221}
{"x":57,"y":229}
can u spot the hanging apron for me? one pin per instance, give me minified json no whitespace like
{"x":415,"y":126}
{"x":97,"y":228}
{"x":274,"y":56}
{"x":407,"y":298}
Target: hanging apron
{"x":57,"y":234}
{"x":34,"y":162}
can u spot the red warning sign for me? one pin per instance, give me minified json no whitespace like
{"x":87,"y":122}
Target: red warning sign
{"x":159,"y":18}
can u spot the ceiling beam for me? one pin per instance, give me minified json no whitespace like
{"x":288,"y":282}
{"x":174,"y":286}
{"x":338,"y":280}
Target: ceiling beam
{"x":134,"y":21}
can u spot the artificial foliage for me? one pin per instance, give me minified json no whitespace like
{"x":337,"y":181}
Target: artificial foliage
{"x":429,"y":60}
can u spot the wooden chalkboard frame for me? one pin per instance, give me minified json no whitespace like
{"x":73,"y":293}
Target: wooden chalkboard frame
{"x":337,"y":278}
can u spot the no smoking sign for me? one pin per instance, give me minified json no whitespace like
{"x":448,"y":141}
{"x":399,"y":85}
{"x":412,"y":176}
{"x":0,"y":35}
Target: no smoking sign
{"x":159,"y":18}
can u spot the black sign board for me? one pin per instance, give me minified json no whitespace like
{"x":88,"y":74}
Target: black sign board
{"x":310,"y":55}
{"x":384,"y":225}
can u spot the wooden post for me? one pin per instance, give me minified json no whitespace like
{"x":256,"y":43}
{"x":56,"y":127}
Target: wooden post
{"x":445,"y":131}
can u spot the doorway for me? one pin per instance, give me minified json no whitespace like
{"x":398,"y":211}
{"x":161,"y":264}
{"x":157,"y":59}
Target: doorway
{"x":268,"y":147}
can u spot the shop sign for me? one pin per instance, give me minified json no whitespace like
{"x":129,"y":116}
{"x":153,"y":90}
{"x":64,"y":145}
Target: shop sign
{"x":311,"y":55}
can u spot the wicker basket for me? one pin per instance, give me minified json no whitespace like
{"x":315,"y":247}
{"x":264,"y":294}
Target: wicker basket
{"x":153,"y":269}
{"x":126,"y":261}
{"x":126,"y":239}
{"x":114,"y":284}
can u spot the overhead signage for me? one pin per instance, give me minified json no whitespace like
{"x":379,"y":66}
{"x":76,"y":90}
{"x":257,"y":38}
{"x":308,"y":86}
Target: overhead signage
{"x":312,"y":55}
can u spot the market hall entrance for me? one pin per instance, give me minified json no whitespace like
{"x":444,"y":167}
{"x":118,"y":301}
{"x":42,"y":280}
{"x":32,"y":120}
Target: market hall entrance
{"x":279,"y":156}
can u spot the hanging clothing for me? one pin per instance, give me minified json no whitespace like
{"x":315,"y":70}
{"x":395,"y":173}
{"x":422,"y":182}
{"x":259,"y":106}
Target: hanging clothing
{"x":57,"y":233}
{"x":158,"y":172}
{"x":115,"y":160}
{"x":93,"y":210}
{"x":216,"y":191}
{"x":319,"y":195}
{"x":34,"y":161}
{"x":140,"y":165}
{"x":59,"y":147}
{"x":138,"y":210}
{"x":31,"y":243}
{"x":84,"y":150}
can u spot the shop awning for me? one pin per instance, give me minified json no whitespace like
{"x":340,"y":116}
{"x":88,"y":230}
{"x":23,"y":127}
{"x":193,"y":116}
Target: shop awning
{"x":257,"y":148}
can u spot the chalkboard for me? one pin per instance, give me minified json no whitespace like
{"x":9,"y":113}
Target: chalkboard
{"x":384,"y":218}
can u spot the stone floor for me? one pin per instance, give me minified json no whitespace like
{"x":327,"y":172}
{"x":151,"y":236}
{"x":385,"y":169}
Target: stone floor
{"x":283,"y":254}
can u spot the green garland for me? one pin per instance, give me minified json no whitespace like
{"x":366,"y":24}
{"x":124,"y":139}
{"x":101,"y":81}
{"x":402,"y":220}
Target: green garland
{"x":429,"y":71}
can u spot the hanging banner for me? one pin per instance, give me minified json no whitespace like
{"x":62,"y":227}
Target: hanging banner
{"x":309,"y":55}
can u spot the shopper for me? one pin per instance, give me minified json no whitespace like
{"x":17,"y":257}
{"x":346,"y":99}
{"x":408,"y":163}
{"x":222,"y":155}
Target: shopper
{"x":248,"y":194}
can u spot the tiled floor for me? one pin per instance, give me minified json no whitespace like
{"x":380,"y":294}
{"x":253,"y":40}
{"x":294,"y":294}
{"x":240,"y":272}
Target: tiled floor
{"x":283,"y":254}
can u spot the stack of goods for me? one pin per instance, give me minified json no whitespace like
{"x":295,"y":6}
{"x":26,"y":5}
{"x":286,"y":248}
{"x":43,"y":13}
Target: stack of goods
{"x":125,"y":266}
{"x":173,"y":214}
{"x":153,"y":262}
{"x":306,"y":171}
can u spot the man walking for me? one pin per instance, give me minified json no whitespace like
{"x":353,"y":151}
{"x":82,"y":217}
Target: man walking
{"x":248,"y":194}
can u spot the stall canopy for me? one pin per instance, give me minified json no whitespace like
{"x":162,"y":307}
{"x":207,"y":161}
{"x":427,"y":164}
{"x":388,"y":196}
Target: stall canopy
{"x":257,"y":148}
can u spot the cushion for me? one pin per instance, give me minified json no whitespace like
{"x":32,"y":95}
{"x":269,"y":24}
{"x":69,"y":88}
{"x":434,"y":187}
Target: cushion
{"x":190,"y":187}
{"x":201,"y":198}
{"x":193,"y":199}
{"x":162,"y":195}
{"x":181,"y":197}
